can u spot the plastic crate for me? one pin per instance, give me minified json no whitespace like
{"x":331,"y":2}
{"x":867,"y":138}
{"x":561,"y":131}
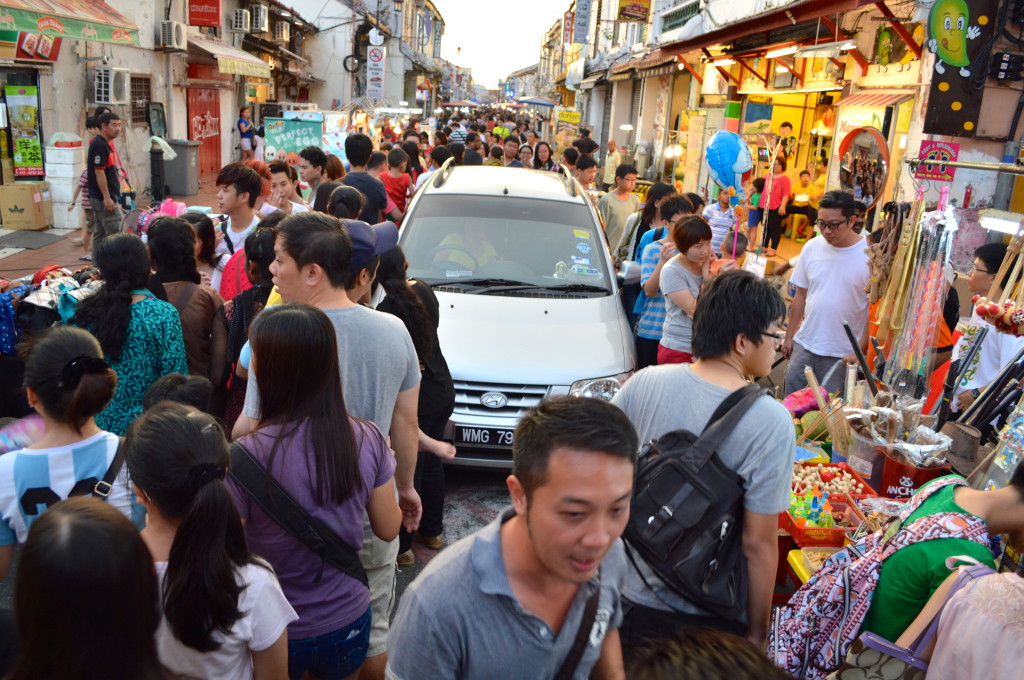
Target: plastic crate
{"x":868,"y":491}
{"x":805,"y":536}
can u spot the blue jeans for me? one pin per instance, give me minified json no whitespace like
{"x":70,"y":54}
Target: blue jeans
{"x":333,"y":655}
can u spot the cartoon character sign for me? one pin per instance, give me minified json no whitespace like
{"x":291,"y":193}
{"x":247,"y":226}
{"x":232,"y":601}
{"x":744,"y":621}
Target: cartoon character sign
{"x":948,"y":25}
{"x":728,"y":158}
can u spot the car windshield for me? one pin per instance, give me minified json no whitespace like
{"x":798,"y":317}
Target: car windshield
{"x":504,"y":244}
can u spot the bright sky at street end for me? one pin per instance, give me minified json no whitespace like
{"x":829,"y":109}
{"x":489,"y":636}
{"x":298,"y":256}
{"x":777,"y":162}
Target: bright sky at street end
{"x":496,"y":39}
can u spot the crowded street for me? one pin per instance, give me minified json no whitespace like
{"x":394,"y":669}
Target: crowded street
{"x":628,"y":340}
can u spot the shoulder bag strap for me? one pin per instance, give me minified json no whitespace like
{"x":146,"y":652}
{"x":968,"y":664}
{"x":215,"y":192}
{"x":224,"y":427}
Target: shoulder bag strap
{"x":572,"y":660}
{"x":227,"y":239}
{"x":281,"y":507}
{"x":106,"y":485}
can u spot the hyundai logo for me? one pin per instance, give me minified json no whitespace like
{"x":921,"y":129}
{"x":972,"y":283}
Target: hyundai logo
{"x":494,"y":400}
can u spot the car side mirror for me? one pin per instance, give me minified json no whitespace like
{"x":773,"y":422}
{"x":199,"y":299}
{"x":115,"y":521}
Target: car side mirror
{"x":629,"y":272}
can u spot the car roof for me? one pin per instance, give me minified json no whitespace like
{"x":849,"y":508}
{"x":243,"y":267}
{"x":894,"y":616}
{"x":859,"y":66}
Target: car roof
{"x":481,"y":180}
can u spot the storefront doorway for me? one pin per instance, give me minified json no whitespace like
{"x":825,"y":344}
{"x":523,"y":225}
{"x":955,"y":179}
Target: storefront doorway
{"x":204,"y":125}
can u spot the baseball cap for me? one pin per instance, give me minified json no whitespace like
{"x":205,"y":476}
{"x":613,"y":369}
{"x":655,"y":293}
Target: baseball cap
{"x":368,"y":241}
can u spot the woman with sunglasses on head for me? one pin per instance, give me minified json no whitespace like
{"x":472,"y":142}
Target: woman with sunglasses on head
{"x":67,"y":382}
{"x":224,"y":614}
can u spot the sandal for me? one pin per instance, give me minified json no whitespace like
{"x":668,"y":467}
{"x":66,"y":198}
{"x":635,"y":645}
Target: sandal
{"x":77,"y":241}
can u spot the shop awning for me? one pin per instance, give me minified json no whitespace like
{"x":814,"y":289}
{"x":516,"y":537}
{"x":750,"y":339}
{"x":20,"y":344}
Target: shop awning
{"x":875,"y":99}
{"x":232,"y":60}
{"x":81,"y":20}
{"x":783,"y":14}
{"x":591,"y":81}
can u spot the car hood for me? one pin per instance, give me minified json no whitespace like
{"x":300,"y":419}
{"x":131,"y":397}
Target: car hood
{"x":535,"y":341}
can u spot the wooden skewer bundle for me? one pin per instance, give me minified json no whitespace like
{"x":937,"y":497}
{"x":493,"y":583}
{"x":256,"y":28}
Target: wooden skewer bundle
{"x":1007,"y":315}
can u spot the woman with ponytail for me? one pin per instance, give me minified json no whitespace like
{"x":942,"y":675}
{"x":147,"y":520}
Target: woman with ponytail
{"x":415,"y":304}
{"x":224,"y":614}
{"x":140,"y":335}
{"x":67,"y":382}
{"x":337,"y":467}
{"x":171,"y":242}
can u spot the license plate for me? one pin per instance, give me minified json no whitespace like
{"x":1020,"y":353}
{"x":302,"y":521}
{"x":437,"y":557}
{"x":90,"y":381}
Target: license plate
{"x":483,"y":436}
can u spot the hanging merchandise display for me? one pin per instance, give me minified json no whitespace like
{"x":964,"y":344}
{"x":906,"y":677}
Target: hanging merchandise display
{"x":908,"y":369}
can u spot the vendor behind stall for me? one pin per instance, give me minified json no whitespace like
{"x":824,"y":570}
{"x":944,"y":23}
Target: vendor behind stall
{"x":997,"y":349}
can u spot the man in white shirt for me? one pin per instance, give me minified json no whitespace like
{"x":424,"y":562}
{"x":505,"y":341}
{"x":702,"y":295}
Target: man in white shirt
{"x":612,"y":160}
{"x":238,"y":187}
{"x":830,"y":278}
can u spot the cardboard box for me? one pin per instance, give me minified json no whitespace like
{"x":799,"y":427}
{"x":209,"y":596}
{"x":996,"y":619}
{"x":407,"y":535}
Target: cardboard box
{"x":7,"y":167}
{"x":26,"y":205}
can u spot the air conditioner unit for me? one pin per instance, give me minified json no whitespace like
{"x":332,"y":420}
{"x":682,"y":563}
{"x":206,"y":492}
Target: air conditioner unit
{"x":282,"y":31}
{"x":260,"y":22}
{"x":173,"y":36}
{"x":240,"y":21}
{"x":112,"y":85}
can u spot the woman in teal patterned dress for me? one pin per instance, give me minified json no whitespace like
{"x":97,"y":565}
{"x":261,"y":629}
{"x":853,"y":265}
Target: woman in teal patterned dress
{"x":140,"y":335}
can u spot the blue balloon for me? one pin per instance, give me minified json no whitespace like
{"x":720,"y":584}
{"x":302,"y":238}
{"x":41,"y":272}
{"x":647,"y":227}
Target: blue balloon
{"x":728,"y":158}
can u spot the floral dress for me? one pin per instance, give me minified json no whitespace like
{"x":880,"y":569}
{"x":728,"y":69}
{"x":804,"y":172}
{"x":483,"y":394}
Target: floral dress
{"x":153,"y":348}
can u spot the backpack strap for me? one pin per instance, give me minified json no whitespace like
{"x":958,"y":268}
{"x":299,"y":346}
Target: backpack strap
{"x":283,"y":509}
{"x":106,"y":485}
{"x":724,"y":420}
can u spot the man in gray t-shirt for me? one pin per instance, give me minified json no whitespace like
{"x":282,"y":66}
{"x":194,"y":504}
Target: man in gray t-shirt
{"x":735,"y":334}
{"x":509,"y":601}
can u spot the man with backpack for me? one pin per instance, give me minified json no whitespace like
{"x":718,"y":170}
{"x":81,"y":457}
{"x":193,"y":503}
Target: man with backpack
{"x":728,"y":504}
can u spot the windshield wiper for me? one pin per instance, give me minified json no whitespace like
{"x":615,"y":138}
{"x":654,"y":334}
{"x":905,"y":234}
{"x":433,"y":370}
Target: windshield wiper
{"x":562,"y":288}
{"x":578,"y":288}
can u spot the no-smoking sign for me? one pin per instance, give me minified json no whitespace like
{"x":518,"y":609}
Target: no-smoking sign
{"x":376,"y":54}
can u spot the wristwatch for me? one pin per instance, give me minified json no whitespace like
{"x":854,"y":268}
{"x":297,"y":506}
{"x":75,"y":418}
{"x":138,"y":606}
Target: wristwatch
{"x":975,"y":393}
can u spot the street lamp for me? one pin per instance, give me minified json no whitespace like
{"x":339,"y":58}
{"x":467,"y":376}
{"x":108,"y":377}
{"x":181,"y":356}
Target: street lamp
{"x":398,"y":6}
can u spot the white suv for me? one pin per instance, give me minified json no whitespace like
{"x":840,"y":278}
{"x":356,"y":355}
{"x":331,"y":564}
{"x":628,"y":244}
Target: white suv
{"x":529,"y":298}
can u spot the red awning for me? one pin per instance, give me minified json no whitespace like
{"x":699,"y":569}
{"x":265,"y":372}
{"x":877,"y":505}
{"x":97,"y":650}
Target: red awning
{"x":875,"y":99}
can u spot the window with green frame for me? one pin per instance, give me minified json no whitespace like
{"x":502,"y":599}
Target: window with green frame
{"x":680,"y":16}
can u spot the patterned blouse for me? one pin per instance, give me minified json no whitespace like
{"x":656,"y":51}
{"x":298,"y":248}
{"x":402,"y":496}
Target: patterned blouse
{"x":153,"y":348}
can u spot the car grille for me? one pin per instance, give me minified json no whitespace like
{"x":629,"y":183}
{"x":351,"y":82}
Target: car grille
{"x":520,"y":398}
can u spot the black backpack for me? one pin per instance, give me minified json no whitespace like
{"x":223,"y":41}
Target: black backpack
{"x":686,"y":516}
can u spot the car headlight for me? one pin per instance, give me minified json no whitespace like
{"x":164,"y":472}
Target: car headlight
{"x":600,"y":388}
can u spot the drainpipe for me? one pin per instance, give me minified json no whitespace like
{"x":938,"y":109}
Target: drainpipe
{"x":1005,"y":181}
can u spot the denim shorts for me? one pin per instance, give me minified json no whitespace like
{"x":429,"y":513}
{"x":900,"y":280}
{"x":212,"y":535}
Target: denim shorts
{"x":333,"y":655}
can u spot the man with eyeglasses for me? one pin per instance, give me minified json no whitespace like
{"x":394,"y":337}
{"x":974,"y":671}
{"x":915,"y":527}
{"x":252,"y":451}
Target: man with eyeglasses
{"x":830,"y":278}
{"x":736,"y":332}
{"x":997,"y":349}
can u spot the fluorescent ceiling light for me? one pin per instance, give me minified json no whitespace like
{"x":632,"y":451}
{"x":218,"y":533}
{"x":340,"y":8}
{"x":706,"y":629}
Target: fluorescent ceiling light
{"x":723,"y":62}
{"x":626,"y":127}
{"x":829,"y":49}
{"x":782,"y":51}
{"x":1000,"y":220}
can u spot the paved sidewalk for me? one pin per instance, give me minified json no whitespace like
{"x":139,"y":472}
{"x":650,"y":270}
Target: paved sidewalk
{"x":18,"y":262}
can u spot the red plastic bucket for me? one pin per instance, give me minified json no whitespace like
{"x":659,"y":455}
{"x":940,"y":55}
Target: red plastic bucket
{"x":900,"y":480}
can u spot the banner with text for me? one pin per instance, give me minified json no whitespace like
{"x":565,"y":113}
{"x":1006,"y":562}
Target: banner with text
{"x":634,"y":10}
{"x":375,"y":60}
{"x":581,"y":25}
{"x":204,"y":13}
{"x":939,"y":153}
{"x":286,"y":137}
{"x":23,"y":112}
{"x":566,"y":129}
